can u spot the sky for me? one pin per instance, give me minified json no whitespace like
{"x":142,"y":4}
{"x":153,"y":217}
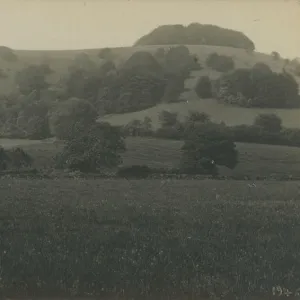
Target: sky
{"x":273,"y":25}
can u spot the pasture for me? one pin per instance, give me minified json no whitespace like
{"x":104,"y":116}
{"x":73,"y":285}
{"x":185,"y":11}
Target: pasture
{"x":144,"y":238}
{"x":255,"y":160}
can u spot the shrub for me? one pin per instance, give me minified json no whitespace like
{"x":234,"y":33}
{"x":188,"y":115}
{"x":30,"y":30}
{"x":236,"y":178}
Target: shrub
{"x":32,"y":78}
{"x":19,"y":158}
{"x":4,"y":159}
{"x":135,"y":171}
{"x":268,"y":123}
{"x":139,"y":128}
{"x":168,"y":118}
{"x":275,"y":55}
{"x":257,"y":87}
{"x":71,"y":117}
{"x":220,"y":63}
{"x":206,"y":147}
{"x":203,"y":88}
{"x":106,"y":53}
{"x":98,"y":147}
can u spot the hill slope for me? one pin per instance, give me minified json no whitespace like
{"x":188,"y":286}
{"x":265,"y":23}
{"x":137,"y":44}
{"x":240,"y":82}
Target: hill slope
{"x":60,"y":61}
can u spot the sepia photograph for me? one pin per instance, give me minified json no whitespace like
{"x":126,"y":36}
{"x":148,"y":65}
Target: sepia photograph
{"x":149,"y":150}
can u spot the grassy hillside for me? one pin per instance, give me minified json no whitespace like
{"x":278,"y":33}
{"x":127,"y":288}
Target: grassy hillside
{"x":255,"y":160}
{"x":142,"y":238}
{"x":59,"y":62}
{"x":219,"y":112}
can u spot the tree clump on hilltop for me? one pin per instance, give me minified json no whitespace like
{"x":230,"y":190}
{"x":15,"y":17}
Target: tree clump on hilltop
{"x":196,"y":34}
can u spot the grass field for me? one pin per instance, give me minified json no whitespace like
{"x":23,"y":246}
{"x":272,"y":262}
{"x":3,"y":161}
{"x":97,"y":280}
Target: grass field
{"x":255,"y":160}
{"x":194,"y":238}
{"x":218,"y":112}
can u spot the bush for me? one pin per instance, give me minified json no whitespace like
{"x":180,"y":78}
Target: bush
{"x":98,"y":147}
{"x":275,"y":55}
{"x":71,"y":117}
{"x":178,"y":60}
{"x":135,"y":171}
{"x":269,"y":123}
{"x":220,"y":63}
{"x":32,"y":78}
{"x":203,"y":88}
{"x":257,"y":87}
{"x":19,"y":158}
{"x":139,"y":128}
{"x":4,"y":159}
{"x":206,"y":147}
{"x":14,"y":158}
{"x":168,"y":118}
{"x":106,"y":53}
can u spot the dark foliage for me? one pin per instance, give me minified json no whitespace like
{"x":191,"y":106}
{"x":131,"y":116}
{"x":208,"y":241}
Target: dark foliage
{"x":196,"y":34}
{"x":135,"y":171}
{"x":32,"y":78}
{"x":208,"y":146}
{"x":15,"y":158}
{"x":97,"y":148}
{"x":220,"y":63}
{"x":268,"y":123}
{"x":203,"y":88}
{"x":257,"y":87}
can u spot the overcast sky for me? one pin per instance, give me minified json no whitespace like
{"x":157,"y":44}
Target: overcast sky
{"x":78,"y":24}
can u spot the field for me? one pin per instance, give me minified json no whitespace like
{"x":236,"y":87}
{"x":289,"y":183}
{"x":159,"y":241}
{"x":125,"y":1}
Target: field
{"x":255,"y":160}
{"x":59,"y":61}
{"x":139,"y":238}
{"x":218,"y":112}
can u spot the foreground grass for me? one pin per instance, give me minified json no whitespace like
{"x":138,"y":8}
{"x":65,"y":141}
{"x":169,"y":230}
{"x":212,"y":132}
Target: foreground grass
{"x":139,"y":238}
{"x":255,"y":160}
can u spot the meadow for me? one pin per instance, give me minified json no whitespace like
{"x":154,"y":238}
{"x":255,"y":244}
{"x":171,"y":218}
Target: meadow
{"x":148,"y":240}
{"x":255,"y":160}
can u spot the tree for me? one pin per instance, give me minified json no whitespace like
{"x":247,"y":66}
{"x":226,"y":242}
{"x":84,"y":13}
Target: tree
{"x":98,"y":147}
{"x":106,"y":53}
{"x":4,"y":159}
{"x":167,"y":118}
{"x":206,"y":147}
{"x":203,"y":88}
{"x":269,"y":123}
{"x":220,"y":63}
{"x":275,"y":55}
{"x":196,"y":116}
{"x":257,"y":87}
{"x":71,"y":117}
{"x":32,"y":78}
{"x":19,"y":158}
